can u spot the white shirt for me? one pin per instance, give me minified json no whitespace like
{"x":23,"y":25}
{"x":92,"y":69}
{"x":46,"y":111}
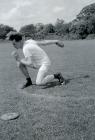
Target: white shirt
{"x":37,"y":54}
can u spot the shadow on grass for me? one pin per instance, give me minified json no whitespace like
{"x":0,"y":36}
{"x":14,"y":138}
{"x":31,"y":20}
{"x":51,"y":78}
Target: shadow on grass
{"x":67,"y":81}
{"x":51,"y":84}
{"x":78,"y":77}
{"x":74,"y":78}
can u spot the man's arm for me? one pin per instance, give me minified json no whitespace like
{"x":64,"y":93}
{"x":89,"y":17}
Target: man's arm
{"x":51,"y":42}
{"x":24,"y":61}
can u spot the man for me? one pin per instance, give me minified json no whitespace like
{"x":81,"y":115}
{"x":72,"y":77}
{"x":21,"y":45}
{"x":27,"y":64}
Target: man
{"x":35,"y":57}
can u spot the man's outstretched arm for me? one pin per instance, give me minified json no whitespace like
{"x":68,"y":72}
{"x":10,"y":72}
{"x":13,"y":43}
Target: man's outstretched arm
{"x":59,"y":43}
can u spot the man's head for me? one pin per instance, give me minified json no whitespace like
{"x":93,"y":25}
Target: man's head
{"x":16,"y":38}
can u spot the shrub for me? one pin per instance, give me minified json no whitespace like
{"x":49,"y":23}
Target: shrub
{"x":90,"y":36}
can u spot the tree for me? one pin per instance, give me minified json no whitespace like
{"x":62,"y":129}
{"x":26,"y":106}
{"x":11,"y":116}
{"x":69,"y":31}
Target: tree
{"x":82,"y":30}
{"x":28,"y":30}
{"x":91,"y":25}
{"x":59,"y":25}
{"x":39,"y":27}
{"x":49,"y":28}
{"x":4,"y":30}
{"x":86,"y":12}
{"x":84,"y":23}
{"x":44,"y":30}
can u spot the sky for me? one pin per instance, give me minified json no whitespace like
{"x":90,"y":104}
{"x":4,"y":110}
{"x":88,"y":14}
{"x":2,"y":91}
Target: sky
{"x":18,"y":13}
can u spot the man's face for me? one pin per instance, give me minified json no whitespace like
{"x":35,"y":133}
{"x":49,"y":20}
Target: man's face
{"x":16,"y":44}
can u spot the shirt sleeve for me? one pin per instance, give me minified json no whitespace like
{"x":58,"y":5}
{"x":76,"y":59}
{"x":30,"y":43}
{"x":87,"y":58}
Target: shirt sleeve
{"x":26,"y":51}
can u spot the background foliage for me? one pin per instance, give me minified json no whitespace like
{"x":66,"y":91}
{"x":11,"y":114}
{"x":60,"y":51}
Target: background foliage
{"x":82,"y":27}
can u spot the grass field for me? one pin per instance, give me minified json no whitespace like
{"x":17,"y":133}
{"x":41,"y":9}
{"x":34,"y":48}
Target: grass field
{"x":54,"y":112}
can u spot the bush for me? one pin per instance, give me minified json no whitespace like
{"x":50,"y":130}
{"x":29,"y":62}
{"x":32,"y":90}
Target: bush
{"x":71,"y":37}
{"x":90,"y":36}
{"x":53,"y":36}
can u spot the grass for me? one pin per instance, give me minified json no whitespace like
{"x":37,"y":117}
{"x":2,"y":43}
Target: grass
{"x":54,"y":112}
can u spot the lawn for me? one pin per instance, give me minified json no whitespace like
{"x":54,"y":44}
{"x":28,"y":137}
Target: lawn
{"x":53,"y":112}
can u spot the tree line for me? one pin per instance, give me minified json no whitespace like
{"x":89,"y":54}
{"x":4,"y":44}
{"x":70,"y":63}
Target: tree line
{"x":82,"y":27}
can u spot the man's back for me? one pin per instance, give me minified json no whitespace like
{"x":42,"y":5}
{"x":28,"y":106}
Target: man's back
{"x":37,"y":54}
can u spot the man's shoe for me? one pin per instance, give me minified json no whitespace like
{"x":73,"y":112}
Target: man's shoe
{"x":26,"y":84}
{"x":60,"y":78}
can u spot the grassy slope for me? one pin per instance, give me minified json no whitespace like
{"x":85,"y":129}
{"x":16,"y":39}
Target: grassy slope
{"x":54,"y":112}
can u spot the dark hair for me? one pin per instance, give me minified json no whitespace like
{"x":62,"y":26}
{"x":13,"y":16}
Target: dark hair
{"x":14,"y":36}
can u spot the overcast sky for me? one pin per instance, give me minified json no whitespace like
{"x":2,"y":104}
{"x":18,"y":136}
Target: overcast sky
{"x":17,"y":13}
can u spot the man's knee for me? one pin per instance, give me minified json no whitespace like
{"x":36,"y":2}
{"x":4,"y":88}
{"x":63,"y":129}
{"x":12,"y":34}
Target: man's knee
{"x":38,"y":82}
{"x":41,"y":82}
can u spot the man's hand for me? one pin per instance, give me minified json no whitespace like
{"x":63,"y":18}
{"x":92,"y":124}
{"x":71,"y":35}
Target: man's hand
{"x":60,"y":44}
{"x":16,"y":55}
